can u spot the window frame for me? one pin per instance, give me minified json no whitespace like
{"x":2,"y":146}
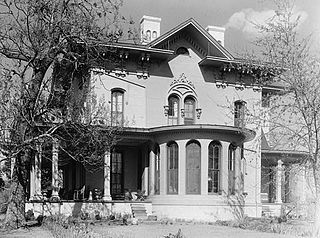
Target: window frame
{"x":172,"y":167}
{"x":115,"y":95}
{"x":173,"y":119}
{"x":198,"y":192}
{"x":239,"y":113}
{"x":211,"y":153}
{"x":189,"y":120}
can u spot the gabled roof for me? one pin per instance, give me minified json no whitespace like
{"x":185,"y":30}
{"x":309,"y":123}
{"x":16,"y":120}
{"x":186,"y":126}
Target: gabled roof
{"x":199,"y":29}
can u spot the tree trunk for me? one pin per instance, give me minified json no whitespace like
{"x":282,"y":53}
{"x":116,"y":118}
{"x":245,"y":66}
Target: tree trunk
{"x":24,"y":130}
{"x":16,"y":208}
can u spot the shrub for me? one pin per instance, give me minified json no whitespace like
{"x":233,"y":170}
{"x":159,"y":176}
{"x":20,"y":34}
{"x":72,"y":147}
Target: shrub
{"x":178,"y":235}
{"x":62,"y":227}
{"x":4,"y":198}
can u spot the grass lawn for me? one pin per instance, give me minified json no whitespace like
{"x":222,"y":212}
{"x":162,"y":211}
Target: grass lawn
{"x":151,"y":230}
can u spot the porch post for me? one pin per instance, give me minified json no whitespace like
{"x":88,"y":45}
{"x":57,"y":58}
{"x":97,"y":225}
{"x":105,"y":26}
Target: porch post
{"x":224,"y":176}
{"x":37,"y":170}
{"x":106,"y":187}
{"x":32,"y":179}
{"x":163,"y":169}
{"x":55,"y":171}
{"x":204,"y":166}
{"x":182,"y":167}
{"x":278,"y":182}
{"x":152,"y":158}
{"x":237,"y":170}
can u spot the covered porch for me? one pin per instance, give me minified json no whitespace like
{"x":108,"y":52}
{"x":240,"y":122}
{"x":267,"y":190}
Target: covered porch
{"x":283,"y":180}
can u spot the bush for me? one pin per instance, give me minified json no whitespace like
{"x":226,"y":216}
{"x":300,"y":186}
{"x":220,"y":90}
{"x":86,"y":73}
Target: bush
{"x":62,"y":227}
{"x":4,"y":198}
{"x":178,"y":235}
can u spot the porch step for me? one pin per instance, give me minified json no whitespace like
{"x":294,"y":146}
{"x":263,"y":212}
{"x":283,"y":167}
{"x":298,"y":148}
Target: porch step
{"x":139,"y":211}
{"x":271,"y":210}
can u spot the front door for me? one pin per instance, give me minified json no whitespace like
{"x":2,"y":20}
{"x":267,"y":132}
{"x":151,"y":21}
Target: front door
{"x":116,"y":175}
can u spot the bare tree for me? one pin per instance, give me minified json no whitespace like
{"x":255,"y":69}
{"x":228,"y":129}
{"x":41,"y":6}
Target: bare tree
{"x":45,"y":46}
{"x":293,"y":115}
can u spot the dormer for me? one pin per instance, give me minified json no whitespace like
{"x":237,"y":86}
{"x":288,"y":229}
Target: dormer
{"x":149,"y":28}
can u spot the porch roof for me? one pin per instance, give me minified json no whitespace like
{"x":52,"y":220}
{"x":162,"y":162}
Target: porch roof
{"x":271,"y":157}
{"x":149,"y":134}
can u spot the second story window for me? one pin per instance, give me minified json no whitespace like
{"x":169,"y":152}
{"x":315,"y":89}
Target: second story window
{"x":173,"y":113}
{"x":189,"y":111}
{"x":239,"y":113}
{"x":117,"y":108}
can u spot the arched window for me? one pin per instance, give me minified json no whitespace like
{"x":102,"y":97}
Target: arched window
{"x":214,"y":159}
{"x":157,"y":170}
{"x":117,"y":107}
{"x":182,"y":51}
{"x":148,"y":35}
{"x":172,"y":164}
{"x":231,"y":168}
{"x":154,"y":35}
{"x":239,"y":113}
{"x":173,"y":113}
{"x":193,"y":168}
{"x":189,"y":110}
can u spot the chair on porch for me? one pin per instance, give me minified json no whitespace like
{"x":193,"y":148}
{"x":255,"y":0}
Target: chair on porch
{"x":79,"y":194}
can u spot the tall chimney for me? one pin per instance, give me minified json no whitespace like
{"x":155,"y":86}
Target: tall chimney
{"x":149,"y":28}
{"x":217,"y":33}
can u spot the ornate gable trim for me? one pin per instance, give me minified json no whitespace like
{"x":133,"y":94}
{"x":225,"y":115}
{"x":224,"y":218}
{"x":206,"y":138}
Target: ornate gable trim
{"x":182,"y":86}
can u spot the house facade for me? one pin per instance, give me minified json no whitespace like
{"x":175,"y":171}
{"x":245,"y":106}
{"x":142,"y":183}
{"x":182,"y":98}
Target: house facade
{"x":188,"y":144}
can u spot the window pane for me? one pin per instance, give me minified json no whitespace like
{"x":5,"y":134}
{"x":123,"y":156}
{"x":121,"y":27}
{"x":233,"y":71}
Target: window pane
{"x":193,"y":168}
{"x":172,"y":168}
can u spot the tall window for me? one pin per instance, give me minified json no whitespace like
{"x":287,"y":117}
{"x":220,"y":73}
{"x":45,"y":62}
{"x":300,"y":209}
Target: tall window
{"x":189,"y":111}
{"x":239,"y":113}
{"x":173,"y":158}
{"x":231,"y":169}
{"x":173,"y":113}
{"x":154,"y":35}
{"x":193,"y":168}
{"x":148,"y":35}
{"x":117,"y":108}
{"x":157,"y":171}
{"x":116,"y":175}
{"x":214,"y":167}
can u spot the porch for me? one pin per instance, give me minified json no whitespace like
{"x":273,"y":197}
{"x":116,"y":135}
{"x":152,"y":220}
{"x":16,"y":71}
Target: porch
{"x":283,"y":183}
{"x":91,"y":209}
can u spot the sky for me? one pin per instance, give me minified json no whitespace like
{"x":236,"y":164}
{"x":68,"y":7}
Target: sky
{"x":234,"y":15}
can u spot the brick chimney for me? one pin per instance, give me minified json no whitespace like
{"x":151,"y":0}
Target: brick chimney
{"x":217,"y":33}
{"x":149,"y":28}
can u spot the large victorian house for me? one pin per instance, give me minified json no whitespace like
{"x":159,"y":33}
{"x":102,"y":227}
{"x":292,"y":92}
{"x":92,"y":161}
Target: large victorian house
{"x":187,"y":144}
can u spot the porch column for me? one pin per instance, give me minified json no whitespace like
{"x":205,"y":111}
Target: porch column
{"x":182,"y":167}
{"x":204,"y":166}
{"x":32,"y":179}
{"x":278,"y":182}
{"x":224,"y":172}
{"x":106,"y":187}
{"x":145,"y":173}
{"x":152,"y":158}
{"x":237,"y":170}
{"x":55,"y":171}
{"x":37,"y":170}
{"x":163,"y":169}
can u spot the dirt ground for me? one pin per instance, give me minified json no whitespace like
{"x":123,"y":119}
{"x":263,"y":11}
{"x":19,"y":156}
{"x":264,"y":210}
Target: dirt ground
{"x":155,"y":231}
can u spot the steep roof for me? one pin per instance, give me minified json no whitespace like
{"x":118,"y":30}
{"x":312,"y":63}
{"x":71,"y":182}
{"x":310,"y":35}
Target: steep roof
{"x":194,"y":29}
